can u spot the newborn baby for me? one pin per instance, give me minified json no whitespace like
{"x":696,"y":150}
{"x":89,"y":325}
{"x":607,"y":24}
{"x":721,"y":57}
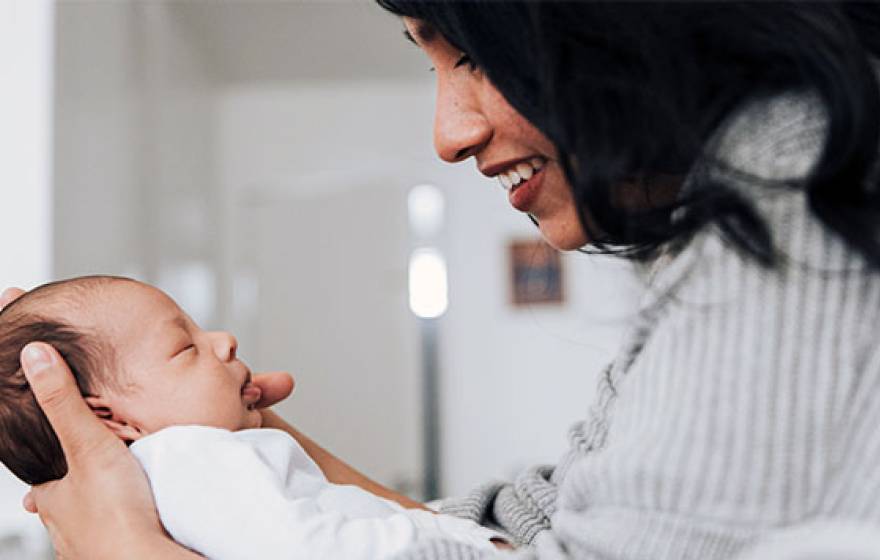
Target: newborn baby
{"x":184,"y":403}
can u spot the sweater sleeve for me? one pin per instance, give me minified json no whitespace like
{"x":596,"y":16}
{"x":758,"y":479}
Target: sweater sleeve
{"x":520,"y":509}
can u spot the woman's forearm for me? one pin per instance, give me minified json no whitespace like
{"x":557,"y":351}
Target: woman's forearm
{"x":336,"y":470}
{"x":161,"y":548}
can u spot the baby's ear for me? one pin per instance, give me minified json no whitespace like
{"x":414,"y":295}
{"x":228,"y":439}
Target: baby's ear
{"x":124,"y":431}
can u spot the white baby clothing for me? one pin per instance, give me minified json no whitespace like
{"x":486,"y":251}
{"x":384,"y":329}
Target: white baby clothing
{"x":257,"y":494}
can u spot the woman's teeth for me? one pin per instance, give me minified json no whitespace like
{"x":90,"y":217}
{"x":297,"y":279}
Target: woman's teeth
{"x":520,"y":172}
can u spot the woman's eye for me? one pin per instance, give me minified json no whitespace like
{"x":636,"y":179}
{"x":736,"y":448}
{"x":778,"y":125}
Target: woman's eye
{"x":466,"y":59}
{"x":186,"y":349}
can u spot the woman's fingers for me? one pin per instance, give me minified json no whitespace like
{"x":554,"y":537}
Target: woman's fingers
{"x":9,"y":295}
{"x":80,"y":433}
{"x":103,"y":505}
{"x":275,"y":386}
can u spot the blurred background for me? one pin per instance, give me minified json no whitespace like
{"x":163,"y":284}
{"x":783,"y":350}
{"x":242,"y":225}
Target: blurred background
{"x":270,"y":165}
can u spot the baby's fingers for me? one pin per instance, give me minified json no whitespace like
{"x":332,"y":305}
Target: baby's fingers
{"x":274,"y":386}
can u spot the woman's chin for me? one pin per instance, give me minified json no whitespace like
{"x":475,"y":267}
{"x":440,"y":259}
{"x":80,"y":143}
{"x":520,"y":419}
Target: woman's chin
{"x":564,"y":236}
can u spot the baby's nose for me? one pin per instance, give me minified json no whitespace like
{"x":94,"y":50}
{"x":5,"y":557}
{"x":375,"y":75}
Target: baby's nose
{"x":225,"y":346}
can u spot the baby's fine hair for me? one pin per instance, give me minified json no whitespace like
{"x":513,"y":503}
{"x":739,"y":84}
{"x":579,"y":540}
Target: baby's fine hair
{"x":29,"y":446}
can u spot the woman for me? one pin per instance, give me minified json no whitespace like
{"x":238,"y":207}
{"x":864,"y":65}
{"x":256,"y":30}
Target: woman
{"x":733,"y":148}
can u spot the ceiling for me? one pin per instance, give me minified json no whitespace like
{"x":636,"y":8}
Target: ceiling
{"x":250,"y":40}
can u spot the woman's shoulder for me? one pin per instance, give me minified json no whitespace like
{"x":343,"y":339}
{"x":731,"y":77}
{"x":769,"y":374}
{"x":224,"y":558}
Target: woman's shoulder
{"x":772,"y":137}
{"x":775,"y":136}
{"x":765,"y":151}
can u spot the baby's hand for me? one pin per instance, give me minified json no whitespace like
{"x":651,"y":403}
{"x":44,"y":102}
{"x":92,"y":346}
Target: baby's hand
{"x":274,"y":386}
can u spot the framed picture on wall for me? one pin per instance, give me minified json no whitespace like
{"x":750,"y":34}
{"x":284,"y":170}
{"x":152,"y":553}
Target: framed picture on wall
{"x":535,"y":273}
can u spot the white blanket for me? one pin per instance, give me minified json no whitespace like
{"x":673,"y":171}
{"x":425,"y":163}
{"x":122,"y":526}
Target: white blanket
{"x":257,"y":494}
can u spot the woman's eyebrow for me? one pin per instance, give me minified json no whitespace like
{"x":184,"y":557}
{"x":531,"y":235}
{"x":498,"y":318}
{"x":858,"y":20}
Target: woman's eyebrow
{"x":425,"y":32}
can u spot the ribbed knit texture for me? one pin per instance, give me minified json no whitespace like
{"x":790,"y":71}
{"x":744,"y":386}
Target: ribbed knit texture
{"x":744,"y":401}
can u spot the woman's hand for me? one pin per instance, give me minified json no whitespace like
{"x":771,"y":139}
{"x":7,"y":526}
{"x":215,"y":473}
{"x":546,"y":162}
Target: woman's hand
{"x":103,"y":505}
{"x":9,"y":295}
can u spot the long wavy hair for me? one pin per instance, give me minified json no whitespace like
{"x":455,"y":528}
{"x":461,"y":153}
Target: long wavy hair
{"x":636,"y":90}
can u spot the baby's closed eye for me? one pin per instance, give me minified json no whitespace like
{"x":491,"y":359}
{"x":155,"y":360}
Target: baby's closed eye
{"x":188,"y":348}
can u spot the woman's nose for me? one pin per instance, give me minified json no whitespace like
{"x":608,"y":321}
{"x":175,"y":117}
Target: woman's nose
{"x":225,"y":346}
{"x":461,"y":129}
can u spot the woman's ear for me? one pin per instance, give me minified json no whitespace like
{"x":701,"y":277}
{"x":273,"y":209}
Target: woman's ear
{"x":123,"y":430}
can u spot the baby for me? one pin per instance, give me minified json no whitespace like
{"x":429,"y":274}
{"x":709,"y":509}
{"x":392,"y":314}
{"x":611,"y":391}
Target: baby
{"x":184,"y":403}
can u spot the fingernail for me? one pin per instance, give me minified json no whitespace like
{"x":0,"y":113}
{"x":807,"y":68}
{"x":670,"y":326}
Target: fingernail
{"x":35,"y":358}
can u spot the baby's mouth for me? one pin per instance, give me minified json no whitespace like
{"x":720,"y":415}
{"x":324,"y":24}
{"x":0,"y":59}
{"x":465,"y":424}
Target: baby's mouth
{"x":250,"y":393}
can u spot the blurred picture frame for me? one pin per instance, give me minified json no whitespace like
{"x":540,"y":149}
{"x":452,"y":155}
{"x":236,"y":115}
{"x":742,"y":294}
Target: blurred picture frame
{"x":536,"y":274}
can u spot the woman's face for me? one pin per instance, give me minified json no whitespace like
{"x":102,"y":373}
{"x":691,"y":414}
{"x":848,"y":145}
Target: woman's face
{"x":472,"y":118}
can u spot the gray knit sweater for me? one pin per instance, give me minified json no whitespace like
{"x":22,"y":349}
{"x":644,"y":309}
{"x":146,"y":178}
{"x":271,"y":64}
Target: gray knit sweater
{"x":746,"y":403}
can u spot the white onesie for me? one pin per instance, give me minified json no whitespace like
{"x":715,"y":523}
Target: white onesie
{"x":257,"y":494}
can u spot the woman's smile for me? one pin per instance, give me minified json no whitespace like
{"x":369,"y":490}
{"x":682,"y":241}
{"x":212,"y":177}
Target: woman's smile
{"x":473,"y":119}
{"x":523,"y":195}
{"x":520,"y":178}
{"x":519,"y":172}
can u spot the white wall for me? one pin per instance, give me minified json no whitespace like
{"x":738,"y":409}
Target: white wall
{"x":172,"y":170}
{"x":98,"y":117}
{"x":512,"y":380}
{"x":25,"y":195}
{"x":25,"y":141}
{"x":316,"y":197}
{"x":515,"y":379}
{"x":133,"y":168}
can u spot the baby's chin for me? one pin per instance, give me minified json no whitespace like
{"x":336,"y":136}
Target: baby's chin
{"x":252,"y":419}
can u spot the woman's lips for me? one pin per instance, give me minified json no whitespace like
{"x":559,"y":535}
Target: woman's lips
{"x":523,"y":196}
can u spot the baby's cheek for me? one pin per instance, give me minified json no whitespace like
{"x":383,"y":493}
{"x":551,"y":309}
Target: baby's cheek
{"x":213,"y":412}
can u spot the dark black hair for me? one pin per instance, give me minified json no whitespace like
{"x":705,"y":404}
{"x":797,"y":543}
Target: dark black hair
{"x":634,"y":91}
{"x":29,"y":446}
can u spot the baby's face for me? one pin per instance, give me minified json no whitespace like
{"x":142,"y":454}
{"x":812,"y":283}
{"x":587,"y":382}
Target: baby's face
{"x":173,"y":372}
